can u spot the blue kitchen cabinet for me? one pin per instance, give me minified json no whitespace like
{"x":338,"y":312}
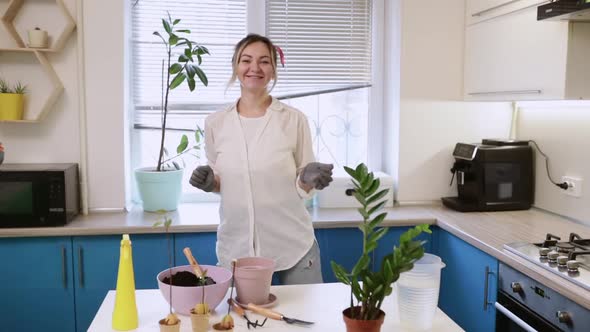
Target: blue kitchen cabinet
{"x":96,"y":265}
{"x":468,"y":283}
{"x":342,"y":245}
{"x":202,"y":246}
{"x":36,"y":284}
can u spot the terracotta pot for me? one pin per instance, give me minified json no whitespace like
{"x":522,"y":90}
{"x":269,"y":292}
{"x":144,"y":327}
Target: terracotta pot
{"x":169,"y":328}
{"x":358,"y":325}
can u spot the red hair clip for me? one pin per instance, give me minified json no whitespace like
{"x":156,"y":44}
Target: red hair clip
{"x":281,"y":55}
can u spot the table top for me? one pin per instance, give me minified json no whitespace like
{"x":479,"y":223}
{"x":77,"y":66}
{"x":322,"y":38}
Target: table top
{"x":320,"y":303}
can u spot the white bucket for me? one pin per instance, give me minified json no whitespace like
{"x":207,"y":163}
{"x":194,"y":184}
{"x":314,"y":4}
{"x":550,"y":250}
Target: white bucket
{"x":418,"y":293}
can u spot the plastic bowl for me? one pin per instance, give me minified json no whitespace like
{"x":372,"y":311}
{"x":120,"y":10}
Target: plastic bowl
{"x":185,"y":298}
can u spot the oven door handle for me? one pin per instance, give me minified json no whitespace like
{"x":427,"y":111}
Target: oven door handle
{"x":514,"y":318}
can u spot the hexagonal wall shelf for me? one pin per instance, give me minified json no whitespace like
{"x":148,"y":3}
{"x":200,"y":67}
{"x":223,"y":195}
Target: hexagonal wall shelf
{"x":59,"y":42}
{"x":14,"y":7}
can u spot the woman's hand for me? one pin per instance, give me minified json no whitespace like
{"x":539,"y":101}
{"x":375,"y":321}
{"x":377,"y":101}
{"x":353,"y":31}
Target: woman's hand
{"x":203,"y":178}
{"x":316,"y":175}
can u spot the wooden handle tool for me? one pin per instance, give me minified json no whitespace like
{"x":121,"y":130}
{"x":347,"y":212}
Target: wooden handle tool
{"x":264,"y":312}
{"x":193,"y":262}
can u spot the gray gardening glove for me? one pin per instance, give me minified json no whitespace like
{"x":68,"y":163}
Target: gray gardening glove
{"x":203,"y":178}
{"x":317,"y":175}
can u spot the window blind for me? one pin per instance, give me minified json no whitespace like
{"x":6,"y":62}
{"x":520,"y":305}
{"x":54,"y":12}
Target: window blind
{"x":327,"y":43}
{"x":216,"y":24}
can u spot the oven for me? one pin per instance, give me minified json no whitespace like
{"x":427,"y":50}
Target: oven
{"x":523,"y":304}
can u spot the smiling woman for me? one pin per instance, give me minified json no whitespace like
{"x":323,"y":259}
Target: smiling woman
{"x":261,"y":162}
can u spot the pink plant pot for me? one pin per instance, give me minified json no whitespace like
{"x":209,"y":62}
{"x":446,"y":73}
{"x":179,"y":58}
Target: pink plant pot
{"x":185,"y":298}
{"x":253,"y":278}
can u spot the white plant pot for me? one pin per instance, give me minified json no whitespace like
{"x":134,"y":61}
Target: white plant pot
{"x":37,"y":38}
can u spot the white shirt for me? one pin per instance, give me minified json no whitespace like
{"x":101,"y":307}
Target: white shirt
{"x":259,"y":185}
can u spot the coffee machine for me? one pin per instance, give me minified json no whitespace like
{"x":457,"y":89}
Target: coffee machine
{"x":494,"y":175}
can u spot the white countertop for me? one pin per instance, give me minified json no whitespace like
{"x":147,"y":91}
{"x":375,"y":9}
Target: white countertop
{"x":320,"y":303}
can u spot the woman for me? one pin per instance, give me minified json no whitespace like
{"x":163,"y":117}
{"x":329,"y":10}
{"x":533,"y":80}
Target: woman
{"x":260,"y":160}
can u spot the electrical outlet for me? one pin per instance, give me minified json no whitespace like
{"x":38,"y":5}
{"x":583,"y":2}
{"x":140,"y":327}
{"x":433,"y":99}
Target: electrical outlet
{"x":574,"y":185}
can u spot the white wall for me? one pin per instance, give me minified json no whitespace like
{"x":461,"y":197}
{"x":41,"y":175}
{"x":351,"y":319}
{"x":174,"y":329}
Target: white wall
{"x":57,"y":138}
{"x":561,"y":130}
{"x":433,"y":118}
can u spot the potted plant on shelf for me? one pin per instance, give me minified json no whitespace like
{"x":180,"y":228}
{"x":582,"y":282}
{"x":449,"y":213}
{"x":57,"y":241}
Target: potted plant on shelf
{"x":12,"y":100}
{"x":160,"y":187}
{"x":369,"y":287}
{"x":171,"y":323}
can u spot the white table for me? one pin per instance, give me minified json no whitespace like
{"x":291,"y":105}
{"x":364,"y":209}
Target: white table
{"x":320,"y":303}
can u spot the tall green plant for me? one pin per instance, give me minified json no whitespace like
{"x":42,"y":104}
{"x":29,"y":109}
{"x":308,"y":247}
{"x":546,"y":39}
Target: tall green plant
{"x":175,"y":73}
{"x":371,"y":287}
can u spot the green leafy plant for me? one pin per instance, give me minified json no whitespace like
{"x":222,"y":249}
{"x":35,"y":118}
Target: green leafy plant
{"x":369,"y":287}
{"x":174,"y":74}
{"x":18,"y":88}
{"x":4,"y":88}
{"x":166,"y":221}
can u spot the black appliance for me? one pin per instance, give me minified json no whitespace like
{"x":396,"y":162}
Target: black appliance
{"x":38,"y":195}
{"x":565,"y":10}
{"x":495,"y":175}
{"x":523,"y":304}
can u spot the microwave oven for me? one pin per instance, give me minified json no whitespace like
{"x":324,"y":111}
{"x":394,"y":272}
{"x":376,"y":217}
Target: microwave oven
{"x":38,"y":195}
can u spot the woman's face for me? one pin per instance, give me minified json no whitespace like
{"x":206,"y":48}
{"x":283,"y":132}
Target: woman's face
{"x":255,"y":67}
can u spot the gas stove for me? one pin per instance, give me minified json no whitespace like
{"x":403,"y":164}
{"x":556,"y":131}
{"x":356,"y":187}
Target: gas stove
{"x":569,"y":259}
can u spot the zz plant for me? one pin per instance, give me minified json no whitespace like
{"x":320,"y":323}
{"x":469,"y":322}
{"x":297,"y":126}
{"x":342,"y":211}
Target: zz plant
{"x":174,"y":74}
{"x":369,"y":287}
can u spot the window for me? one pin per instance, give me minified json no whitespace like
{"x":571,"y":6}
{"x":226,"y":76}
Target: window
{"x":327,"y":75}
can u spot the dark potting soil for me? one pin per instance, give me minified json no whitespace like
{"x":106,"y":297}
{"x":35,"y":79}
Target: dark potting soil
{"x":188,"y":279}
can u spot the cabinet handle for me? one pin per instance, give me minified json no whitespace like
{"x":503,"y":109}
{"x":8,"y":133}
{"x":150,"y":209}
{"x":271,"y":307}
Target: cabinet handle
{"x":493,"y":8}
{"x":508,"y":92}
{"x":64,"y":269}
{"x":485,"y":289}
{"x":80,"y":267}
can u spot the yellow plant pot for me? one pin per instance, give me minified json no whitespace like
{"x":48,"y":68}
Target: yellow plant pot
{"x":11,"y":106}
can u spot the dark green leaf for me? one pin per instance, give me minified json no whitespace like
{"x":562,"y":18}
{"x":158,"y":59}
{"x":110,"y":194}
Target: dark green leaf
{"x":363,"y":213}
{"x":175,"y":68}
{"x":373,"y":187}
{"x":191,"y":70}
{"x":166,"y":26}
{"x":198,"y":134}
{"x":377,"y":196}
{"x":176,"y":166}
{"x":182,"y":58}
{"x":176,"y":21}
{"x":350,"y":171}
{"x":189,"y":55}
{"x":378,"y":234}
{"x":204,"y":50}
{"x":191,"y":83}
{"x":183,"y":31}
{"x":377,"y":220}
{"x":182,"y":145}
{"x":202,"y":76}
{"x":199,"y":59}
{"x":340,"y":273}
{"x":361,"y":265}
{"x":377,"y":207}
{"x":359,"y":197}
{"x":177,"y":80}
{"x":173,"y":39}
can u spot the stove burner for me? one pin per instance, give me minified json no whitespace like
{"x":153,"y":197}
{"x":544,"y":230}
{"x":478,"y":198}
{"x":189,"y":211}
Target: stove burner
{"x":564,"y":247}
